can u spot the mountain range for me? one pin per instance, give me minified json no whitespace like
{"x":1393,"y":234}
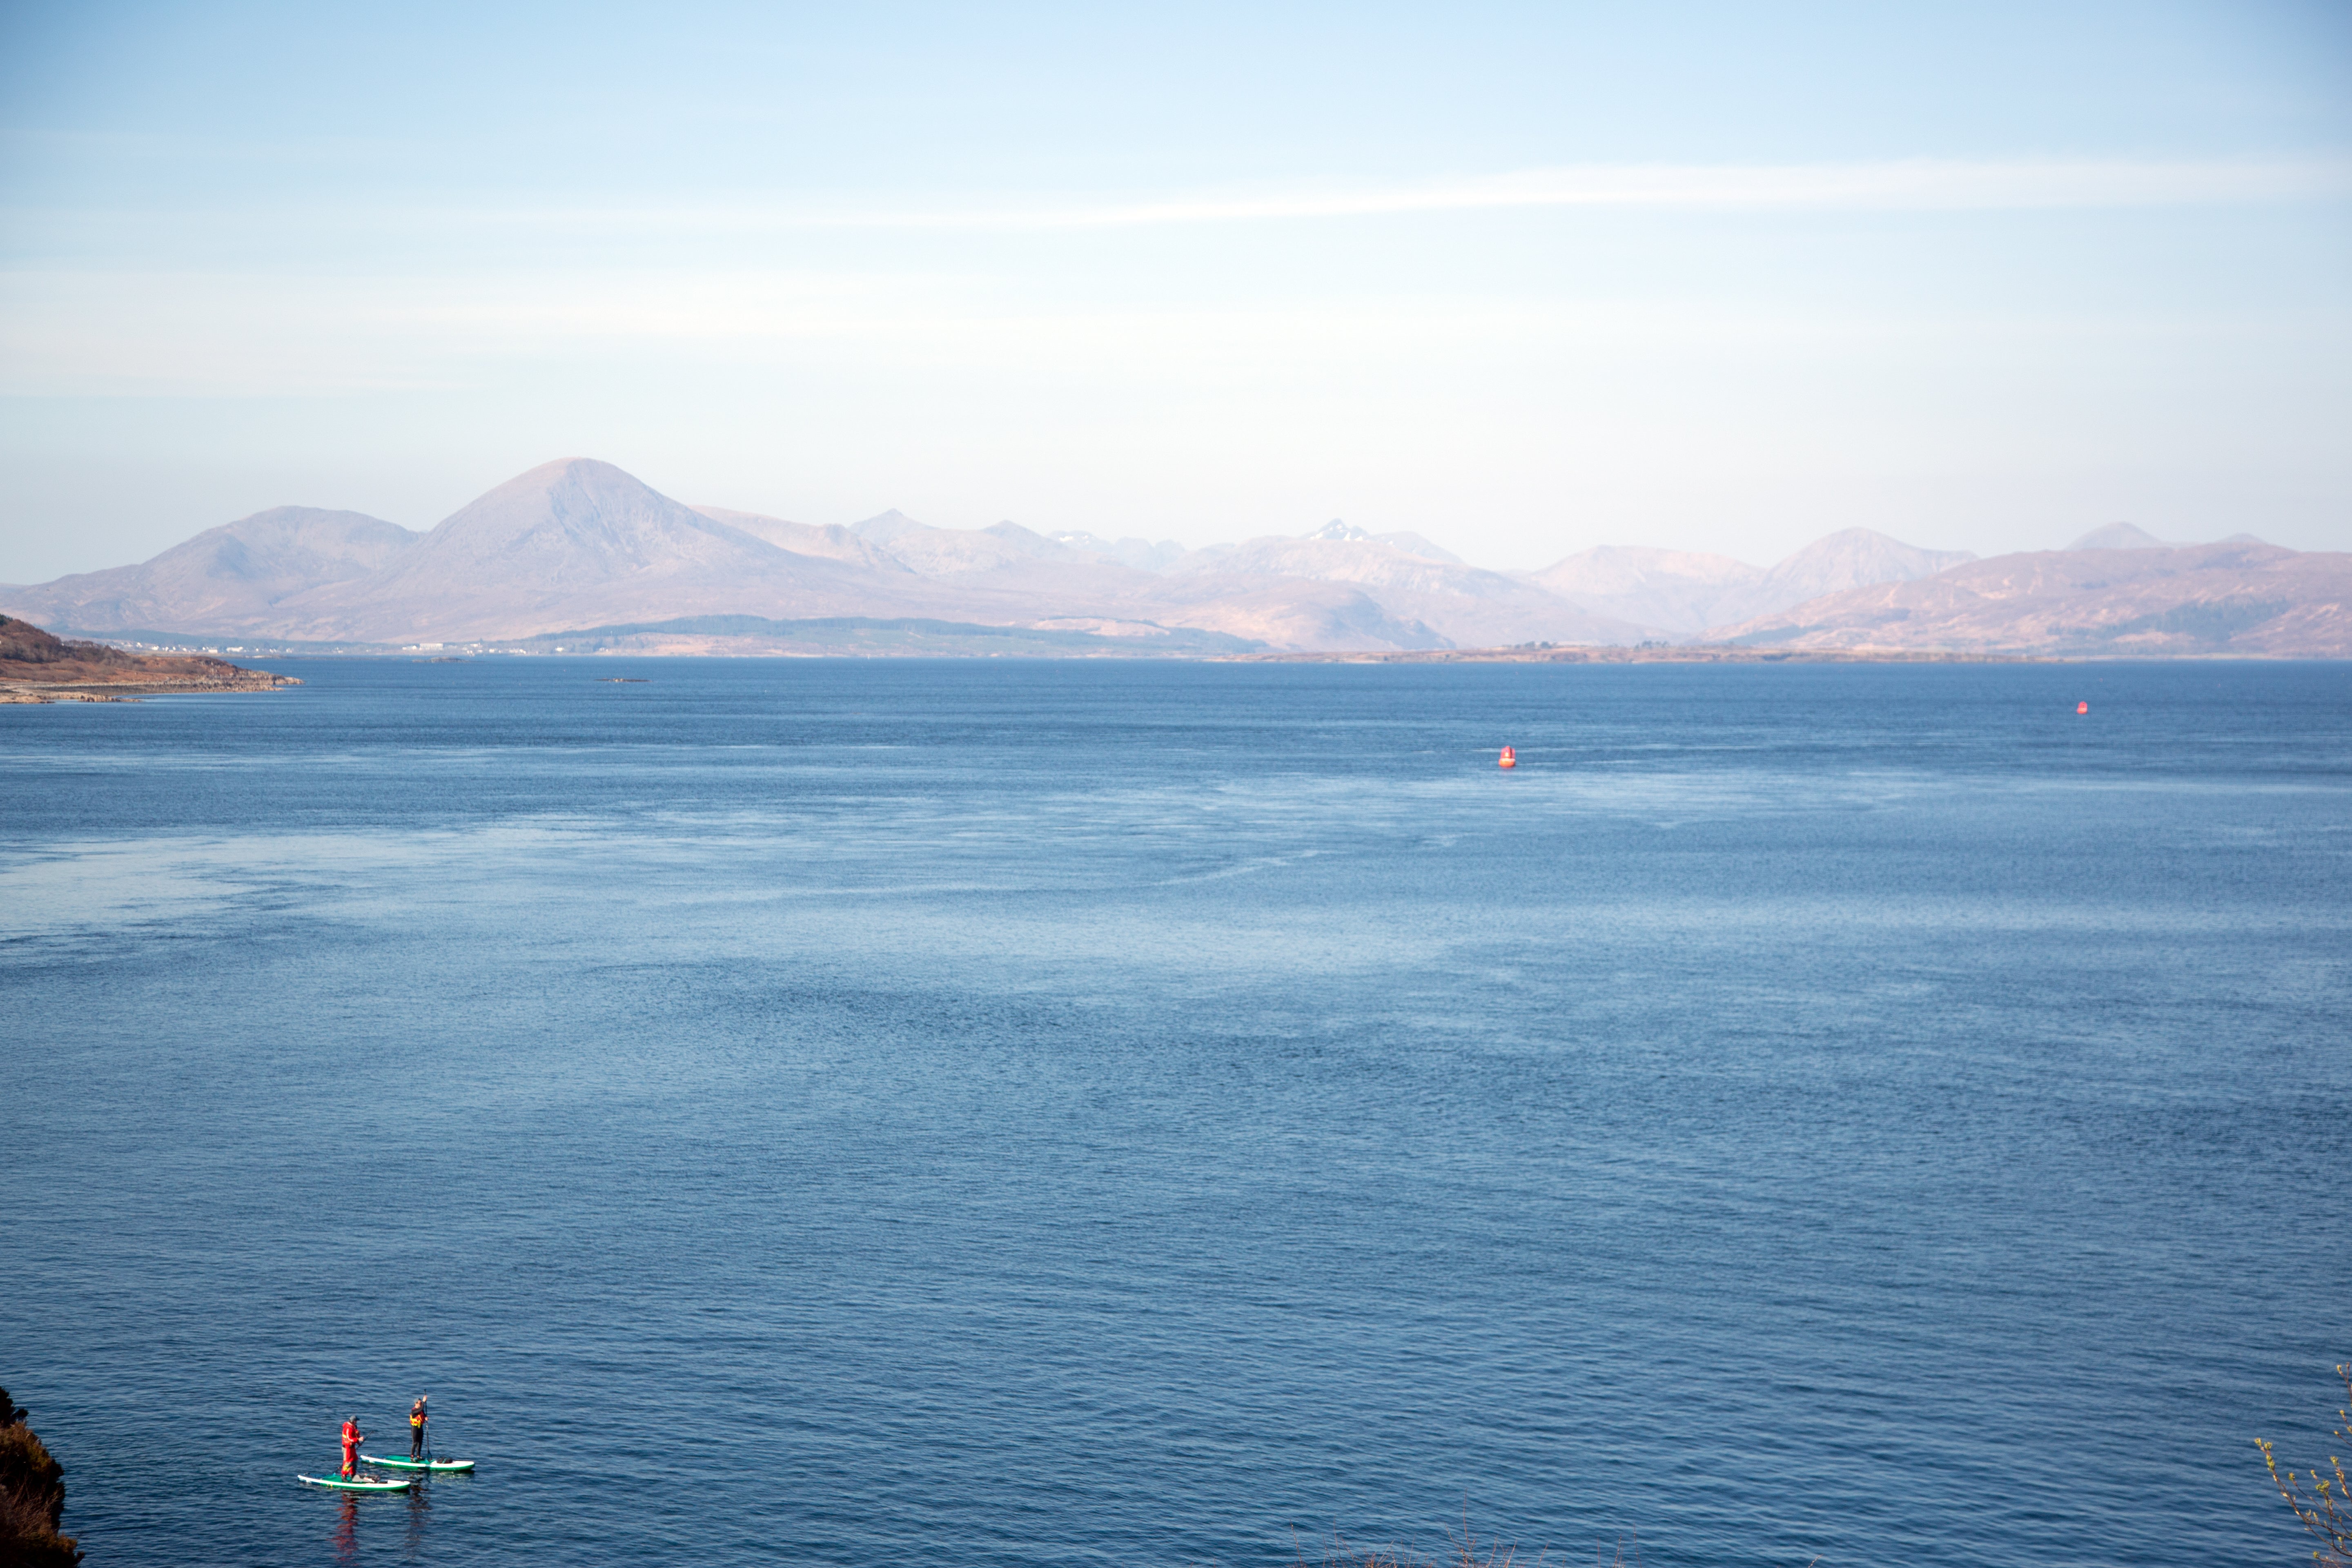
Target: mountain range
{"x":2239,"y":596}
{"x":580,"y":547}
{"x":1689,"y":593}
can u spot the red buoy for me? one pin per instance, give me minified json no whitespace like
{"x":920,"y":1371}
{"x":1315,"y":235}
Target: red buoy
{"x":2082,"y":708}
{"x":1510,"y":759}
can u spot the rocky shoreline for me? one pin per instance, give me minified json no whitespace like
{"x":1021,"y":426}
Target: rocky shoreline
{"x":37,"y":666}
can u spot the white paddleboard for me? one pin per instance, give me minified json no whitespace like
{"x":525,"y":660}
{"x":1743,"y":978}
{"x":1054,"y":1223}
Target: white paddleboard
{"x":420,"y":1464}
{"x":358,"y":1484}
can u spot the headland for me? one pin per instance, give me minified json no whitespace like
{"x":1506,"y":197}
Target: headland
{"x":37,"y":666}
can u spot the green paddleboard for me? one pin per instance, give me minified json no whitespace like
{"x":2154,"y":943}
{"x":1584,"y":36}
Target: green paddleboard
{"x":420,"y":1464}
{"x":396,"y":1484}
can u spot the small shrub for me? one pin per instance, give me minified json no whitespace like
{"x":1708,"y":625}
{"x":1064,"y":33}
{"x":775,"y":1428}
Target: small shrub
{"x":2325,"y":1510}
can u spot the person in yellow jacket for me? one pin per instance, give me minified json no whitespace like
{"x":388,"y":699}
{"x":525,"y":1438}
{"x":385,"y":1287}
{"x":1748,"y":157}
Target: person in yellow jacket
{"x":417,"y":1429}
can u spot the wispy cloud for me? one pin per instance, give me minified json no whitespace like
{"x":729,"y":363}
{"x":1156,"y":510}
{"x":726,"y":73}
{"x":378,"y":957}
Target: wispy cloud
{"x":1913,"y":185}
{"x":1917,"y":186}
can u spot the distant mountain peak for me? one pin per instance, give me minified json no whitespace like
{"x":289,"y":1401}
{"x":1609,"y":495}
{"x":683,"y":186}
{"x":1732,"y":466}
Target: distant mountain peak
{"x":1414,"y":544}
{"x":1339,"y":533}
{"x":583,"y":475}
{"x":226,"y":578}
{"x":884,"y":527}
{"x":1689,"y":592}
{"x":1853,"y":556}
{"x":1674,"y":590}
{"x":1024,"y":539}
{"x":2120,"y":536}
{"x":1142,"y":554}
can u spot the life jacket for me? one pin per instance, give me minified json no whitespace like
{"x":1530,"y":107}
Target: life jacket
{"x":416,"y":1418}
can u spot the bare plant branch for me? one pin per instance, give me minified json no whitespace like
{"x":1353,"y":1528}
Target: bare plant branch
{"x":2325,"y":1510}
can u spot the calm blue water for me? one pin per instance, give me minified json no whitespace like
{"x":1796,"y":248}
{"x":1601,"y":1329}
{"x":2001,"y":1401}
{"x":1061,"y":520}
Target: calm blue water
{"x":993,"y":1113}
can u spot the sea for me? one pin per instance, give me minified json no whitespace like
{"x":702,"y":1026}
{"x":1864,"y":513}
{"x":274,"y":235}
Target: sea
{"x":1129,"y":1113}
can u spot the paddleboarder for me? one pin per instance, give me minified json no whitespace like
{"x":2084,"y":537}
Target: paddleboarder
{"x":417,"y":1428}
{"x":353,"y":1438}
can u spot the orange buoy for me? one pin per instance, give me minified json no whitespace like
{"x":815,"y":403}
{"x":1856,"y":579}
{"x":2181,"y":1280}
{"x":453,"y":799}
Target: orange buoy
{"x":2082,"y":708}
{"x":1510,"y":759}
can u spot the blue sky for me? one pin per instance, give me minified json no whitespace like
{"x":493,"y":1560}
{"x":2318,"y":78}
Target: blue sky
{"x":1525,"y":278}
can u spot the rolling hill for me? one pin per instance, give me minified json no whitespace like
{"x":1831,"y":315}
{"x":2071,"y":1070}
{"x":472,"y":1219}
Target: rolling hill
{"x":230,"y":579}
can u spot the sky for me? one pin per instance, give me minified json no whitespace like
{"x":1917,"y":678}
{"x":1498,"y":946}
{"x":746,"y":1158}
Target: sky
{"x":1522,"y":279}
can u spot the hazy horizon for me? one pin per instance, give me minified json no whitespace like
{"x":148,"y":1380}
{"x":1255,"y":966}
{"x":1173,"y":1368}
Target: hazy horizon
{"x":1525,"y":281}
{"x":1299,"y":533}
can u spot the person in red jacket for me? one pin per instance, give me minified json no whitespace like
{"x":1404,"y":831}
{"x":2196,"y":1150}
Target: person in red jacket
{"x":353,"y":1438}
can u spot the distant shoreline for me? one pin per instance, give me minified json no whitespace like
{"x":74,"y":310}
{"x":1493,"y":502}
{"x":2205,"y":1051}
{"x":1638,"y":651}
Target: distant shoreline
{"x":746,"y":649}
{"x":1702,"y":654}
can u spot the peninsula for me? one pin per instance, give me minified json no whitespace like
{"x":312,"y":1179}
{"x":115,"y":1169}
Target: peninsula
{"x":37,"y":666}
